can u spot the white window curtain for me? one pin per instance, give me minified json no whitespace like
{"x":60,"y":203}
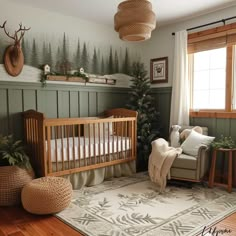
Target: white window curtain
{"x":179,"y":113}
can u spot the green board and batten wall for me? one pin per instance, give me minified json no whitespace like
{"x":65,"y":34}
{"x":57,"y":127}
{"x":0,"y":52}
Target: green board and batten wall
{"x":62,"y":100}
{"x":54,"y":101}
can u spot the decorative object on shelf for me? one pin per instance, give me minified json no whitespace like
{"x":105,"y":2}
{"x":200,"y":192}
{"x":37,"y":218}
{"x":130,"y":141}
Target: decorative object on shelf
{"x":224,"y":142}
{"x":135,"y":20}
{"x":46,"y":69}
{"x":13,"y":57}
{"x":159,"y":70}
{"x":15,"y":170}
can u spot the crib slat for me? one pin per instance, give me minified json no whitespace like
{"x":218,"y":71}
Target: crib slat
{"x":84,"y":158}
{"x":99,"y":143}
{"x":108,"y":142}
{"x":49,"y":149}
{"x":67,"y":127}
{"x":126,"y":136}
{"x":79,"y":145}
{"x":133,"y":143}
{"x":62,"y":148}
{"x":73,"y":148}
{"x":94,"y":144}
{"x":117,"y":143}
{"x":113,"y":141}
{"x":122,"y":133}
{"x":104,"y":144}
{"x":56,"y":156}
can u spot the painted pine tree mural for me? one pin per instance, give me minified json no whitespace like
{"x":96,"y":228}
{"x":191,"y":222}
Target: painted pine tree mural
{"x":126,"y":65}
{"x":102,"y":61}
{"x":34,"y":55}
{"x":64,"y":49}
{"x":64,"y":64}
{"x":110,"y":63}
{"x":25,"y":50}
{"x":102,"y":67}
{"x":44,"y":54}
{"x":57,"y":66}
{"x":95,"y":62}
{"x":77,"y":62}
{"x":85,"y":58}
{"x":116,"y":63}
{"x":48,"y":59}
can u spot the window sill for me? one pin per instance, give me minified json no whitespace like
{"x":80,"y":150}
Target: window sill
{"x":213,"y":114}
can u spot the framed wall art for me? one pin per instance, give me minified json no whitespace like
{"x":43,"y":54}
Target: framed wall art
{"x":159,"y":70}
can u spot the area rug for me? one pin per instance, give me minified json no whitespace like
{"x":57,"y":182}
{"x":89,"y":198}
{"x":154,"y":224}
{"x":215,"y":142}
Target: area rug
{"x":133,"y":206}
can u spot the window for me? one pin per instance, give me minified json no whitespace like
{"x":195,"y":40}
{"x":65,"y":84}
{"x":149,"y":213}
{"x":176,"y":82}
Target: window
{"x":212,"y":66}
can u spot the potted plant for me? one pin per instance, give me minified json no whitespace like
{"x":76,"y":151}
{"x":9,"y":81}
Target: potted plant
{"x":223,"y":142}
{"x":15,"y":170}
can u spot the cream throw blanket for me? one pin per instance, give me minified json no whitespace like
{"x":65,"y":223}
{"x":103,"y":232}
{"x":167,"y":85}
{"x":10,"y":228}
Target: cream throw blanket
{"x":160,"y":161}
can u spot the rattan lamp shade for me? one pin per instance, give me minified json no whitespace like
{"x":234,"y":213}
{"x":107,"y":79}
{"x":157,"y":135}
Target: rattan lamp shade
{"x":135,"y":20}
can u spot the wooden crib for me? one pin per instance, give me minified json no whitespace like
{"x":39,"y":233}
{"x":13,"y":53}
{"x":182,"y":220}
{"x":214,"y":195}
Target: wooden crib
{"x":65,"y":146}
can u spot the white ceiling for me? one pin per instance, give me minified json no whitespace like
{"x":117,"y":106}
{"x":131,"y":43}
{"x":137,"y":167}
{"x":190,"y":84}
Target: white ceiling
{"x":102,"y":11}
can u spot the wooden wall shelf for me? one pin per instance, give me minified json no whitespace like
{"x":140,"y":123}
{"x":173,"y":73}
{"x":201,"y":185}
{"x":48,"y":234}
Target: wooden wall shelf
{"x":95,"y":80}
{"x":65,"y":78}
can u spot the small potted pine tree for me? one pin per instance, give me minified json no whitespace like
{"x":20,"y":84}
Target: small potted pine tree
{"x":15,"y":170}
{"x":142,"y":101}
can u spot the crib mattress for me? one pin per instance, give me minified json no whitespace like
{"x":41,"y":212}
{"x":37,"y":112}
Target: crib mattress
{"x":78,"y":148}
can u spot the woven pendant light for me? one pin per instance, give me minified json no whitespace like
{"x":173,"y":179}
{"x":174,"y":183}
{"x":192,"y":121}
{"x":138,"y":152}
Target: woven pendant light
{"x":135,"y":20}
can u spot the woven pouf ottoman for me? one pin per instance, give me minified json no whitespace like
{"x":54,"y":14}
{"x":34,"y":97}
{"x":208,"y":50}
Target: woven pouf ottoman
{"x":46,"y":195}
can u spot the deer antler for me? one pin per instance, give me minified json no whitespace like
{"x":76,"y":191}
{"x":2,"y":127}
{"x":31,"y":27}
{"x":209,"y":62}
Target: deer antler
{"x":7,"y":33}
{"x":22,"y":30}
{"x":15,"y":36}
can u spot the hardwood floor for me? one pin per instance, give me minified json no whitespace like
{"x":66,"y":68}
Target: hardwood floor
{"x":14,"y":221}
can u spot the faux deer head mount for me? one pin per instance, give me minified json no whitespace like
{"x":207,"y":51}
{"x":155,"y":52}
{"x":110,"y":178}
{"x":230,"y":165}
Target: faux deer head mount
{"x":13,"y":57}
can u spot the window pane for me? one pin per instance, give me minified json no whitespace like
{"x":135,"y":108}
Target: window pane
{"x":217,"y":99}
{"x":200,"y":99}
{"x":217,"y":79}
{"x":209,"y":79}
{"x":201,"y":60}
{"x":203,"y":80}
{"x":216,"y":57}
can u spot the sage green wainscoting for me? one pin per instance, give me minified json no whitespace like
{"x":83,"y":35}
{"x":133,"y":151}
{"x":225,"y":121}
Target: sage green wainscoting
{"x":217,"y":126}
{"x":55,"y":100}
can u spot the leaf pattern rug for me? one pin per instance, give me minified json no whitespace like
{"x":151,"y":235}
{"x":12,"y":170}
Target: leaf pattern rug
{"x":133,"y":206}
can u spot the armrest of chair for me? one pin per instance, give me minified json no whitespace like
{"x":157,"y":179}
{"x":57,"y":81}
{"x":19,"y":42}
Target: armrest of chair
{"x":203,"y":148}
{"x":203,"y":160}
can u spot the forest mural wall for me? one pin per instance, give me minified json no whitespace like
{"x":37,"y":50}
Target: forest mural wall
{"x":65,"y":43}
{"x":63,"y":58}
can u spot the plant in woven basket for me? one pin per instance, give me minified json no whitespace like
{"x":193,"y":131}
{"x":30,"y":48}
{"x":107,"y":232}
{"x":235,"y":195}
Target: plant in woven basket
{"x":15,"y":170}
{"x":223,"y":142}
{"x":12,"y":152}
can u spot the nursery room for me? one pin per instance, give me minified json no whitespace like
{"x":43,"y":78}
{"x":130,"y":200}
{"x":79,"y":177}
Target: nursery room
{"x":118,"y":118}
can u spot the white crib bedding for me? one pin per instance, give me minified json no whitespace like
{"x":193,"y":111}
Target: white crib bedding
{"x":85,"y":147}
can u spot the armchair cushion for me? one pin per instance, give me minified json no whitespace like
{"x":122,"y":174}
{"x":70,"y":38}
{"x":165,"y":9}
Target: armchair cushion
{"x":185,"y":162}
{"x":193,"y":142}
